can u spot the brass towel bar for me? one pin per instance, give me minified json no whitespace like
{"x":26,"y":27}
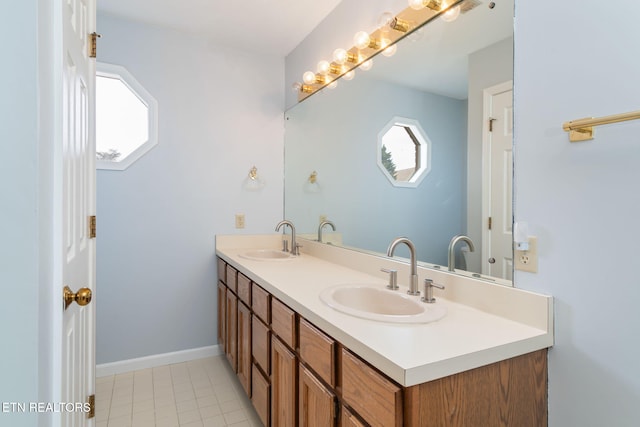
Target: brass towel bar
{"x":582,"y":129}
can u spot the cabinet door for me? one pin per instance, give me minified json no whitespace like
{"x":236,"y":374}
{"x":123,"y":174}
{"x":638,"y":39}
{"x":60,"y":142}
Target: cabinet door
{"x":244,"y":347}
{"x":316,"y":402}
{"x":231,"y":347}
{"x":349,"y":420}
{"x":260,"y":395}
{"x":283,"y":385}
{"x":222,"y":316}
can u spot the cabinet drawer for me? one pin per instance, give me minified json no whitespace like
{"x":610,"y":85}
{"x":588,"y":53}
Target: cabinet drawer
{"x":244,"y":289}
{"x":318,"y":351}
{"x":283,"y":322}
{"x":232,"y":278}
{"x":222,"y":270}
{"x":260,"y":395}
{"x":261,"y":344}
{"x":376,"y":399}
{"x":261,"y":303}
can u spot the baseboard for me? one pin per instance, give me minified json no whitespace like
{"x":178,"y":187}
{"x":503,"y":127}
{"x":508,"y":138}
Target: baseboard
{"x":106,"y":369}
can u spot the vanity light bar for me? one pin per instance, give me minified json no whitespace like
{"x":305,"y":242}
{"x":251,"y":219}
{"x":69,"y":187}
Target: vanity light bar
{"x":403,"y":24}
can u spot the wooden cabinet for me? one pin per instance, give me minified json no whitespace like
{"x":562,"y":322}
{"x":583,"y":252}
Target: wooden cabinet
{"x":222,"y":314}
{"x":231,"y":335}
{"x":297,"y":375}
{"x":284,"y":374}
{"x":244,"y":347}
{"x":316,"y":404}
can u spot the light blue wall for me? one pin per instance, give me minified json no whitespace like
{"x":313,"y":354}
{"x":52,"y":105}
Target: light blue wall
{"x":580,"y":199}
{"x":220,"y":113}
{"x":19,"y":220}
{"x":336,"y":132}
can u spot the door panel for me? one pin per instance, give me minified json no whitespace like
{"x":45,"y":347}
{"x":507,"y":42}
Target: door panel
{"x":497,"y":250}
{"x":78,"y":204}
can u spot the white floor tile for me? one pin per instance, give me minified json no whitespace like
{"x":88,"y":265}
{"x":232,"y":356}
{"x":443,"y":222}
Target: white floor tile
{"x":199,"y":393}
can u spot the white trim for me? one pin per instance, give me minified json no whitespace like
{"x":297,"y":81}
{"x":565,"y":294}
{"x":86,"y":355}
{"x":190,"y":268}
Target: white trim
{"x":122,"y":366}
{"x":425,"y":152}
{"x":104,"y":69}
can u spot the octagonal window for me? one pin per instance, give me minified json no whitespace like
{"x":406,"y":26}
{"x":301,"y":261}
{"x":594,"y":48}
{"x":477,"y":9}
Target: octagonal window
{"x":126,"y":118}
{"x":403,"y":152}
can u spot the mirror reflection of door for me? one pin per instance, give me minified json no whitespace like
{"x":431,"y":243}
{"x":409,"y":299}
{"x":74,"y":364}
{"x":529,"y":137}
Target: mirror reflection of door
{"x":497,"y":238}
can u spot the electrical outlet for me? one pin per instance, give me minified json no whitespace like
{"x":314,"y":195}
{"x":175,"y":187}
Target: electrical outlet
{"x":527,"y":260}
{"x":323,"y":218}
{"x":240,"y":220}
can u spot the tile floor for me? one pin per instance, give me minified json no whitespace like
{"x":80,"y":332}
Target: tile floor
{"x":199,"y":393}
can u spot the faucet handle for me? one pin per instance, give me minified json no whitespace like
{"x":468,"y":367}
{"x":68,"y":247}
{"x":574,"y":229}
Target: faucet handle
{"x":428,"y":291}
{"x":393,"y":278}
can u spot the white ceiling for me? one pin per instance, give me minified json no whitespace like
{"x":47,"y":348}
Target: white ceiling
{"x":268,"y":26}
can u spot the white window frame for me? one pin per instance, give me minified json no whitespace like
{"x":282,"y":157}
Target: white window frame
{"x":424,"y":151}
{"x":121,"y":73}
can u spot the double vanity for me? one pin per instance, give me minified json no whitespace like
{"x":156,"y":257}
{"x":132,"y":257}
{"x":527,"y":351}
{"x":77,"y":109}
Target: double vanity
{"x":319,"y":339}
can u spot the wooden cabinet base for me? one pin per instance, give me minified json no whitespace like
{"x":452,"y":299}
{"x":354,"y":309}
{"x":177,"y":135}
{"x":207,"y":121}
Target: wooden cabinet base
{"x":508,"y":393}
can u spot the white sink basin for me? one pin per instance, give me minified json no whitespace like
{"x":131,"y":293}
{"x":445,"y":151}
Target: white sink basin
{"x":374,"y":302}
{"x":266,"y":255}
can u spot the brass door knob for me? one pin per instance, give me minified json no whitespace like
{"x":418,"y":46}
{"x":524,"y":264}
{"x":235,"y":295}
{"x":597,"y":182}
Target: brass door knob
{"x":82,"y":297}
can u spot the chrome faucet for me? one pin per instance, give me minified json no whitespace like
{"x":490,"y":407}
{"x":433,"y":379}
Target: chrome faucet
{"x":295,"y":249}
{"x":452,"y":244}
{"x":322,"y":224}
{"x":413,"y":284}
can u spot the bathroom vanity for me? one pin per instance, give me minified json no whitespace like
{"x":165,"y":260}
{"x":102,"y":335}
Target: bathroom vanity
{"x":304,"y":363}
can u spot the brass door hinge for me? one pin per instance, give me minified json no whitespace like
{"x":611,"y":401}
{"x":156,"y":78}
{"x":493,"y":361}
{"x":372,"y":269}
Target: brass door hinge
{"x":93,"y":44}
{"x":489,"y":223}
{"x":91,"y":400}
{"x":92,"y":227}
{"x":491,"y":120}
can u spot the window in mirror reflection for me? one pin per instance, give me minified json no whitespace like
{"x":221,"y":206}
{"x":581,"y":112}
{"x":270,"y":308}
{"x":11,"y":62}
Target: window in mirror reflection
{"x":403,"y":152}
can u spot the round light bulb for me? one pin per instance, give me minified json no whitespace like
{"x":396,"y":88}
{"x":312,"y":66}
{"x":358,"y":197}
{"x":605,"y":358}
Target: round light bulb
{"x":451,"y":14}
{"x":309,"y":77}
{"x":361,"y":40}
{"x":349,"y":75}
{"x":333,"y":84}
{"x":323,"y":67}
{"x":366,"y":65}
{"x":340,"y":56}
{"x":296,"y":87}
{"x":391,"y":50}
{"x":385,"y":20}
{"x":416,"y":4}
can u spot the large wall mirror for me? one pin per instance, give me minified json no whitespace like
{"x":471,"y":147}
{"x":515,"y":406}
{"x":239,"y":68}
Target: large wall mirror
{"x":455,"y":81}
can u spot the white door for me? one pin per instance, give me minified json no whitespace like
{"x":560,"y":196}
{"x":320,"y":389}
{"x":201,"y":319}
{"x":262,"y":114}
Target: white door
{"x":497,"y":238}
{"x":78,"y":198}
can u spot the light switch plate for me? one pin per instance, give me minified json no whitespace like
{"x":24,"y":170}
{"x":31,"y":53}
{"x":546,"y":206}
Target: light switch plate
{"x":527,"y":260}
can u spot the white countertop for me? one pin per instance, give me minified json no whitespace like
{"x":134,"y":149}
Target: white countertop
{"x":410,"y":354}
